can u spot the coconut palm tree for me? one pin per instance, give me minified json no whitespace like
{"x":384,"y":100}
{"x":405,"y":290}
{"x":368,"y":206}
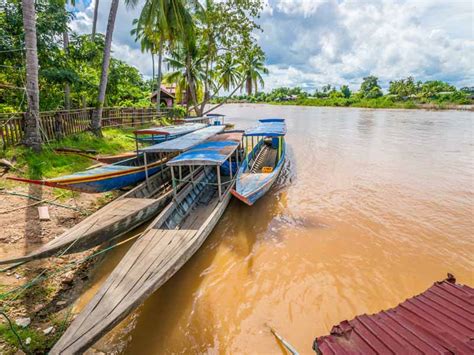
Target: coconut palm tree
{"x":227,"y":72}
{"x":164,"y":22}
{"x":252,"y":68}
{"x":32,"y":136}
{"x":188,"y":73}
{"x":96,"y":118}
{"x":94,"y":22}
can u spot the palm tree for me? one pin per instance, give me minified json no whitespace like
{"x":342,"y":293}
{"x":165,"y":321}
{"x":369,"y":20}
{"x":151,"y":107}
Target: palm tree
{"x":96,"y":118}
{"x":227,"y":72}
{"x":164,"y":21}
{"x":94,"y":22}
{"x":252,"y":68}
{"x":32,"y":136}
{"x":188,"y":73}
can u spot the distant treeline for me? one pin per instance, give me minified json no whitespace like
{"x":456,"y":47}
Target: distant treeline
{"x":403,"y":93}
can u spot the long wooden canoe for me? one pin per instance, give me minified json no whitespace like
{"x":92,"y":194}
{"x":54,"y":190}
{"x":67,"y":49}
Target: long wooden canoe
{"x":170,"y":240}
{"x":104,"y":178}
{"x":113,"y":220}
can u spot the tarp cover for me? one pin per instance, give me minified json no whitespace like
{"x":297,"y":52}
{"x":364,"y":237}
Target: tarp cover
{"x":271,"y":127}
{"x":214,"y":151}
{"x":185,"y":142}
{"x":174,"y":130}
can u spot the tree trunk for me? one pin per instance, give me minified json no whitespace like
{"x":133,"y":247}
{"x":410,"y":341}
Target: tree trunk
{"x":191,"y":84}
{"x":152,"y":73}
{"x":96,"y":120}
{"x":158,"y":80}
{"x":94,"y":22}
{"x":67,"y":89}
{"x":32,"y":136}
{"x":225,"y":100}
{"x":249,"y":86}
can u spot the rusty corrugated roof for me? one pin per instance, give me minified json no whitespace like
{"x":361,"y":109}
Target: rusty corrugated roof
{"x":440,"y":320}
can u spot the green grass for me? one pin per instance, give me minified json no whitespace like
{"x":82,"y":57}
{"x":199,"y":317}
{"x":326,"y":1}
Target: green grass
{"x":49,"y":163}
{"x":40,"y":343}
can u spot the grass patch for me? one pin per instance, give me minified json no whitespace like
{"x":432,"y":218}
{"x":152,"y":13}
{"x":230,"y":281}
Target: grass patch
{"x":49,"y":164}
{"x":40,"y":343}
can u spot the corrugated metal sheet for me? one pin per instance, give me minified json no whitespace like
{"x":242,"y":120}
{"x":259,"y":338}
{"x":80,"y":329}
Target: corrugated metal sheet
{"x":438,"y":321}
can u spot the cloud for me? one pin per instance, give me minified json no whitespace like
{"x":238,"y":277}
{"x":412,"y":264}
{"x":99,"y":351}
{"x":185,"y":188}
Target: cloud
{"x":311,"y":43}
{"x":339,"y":42}
{"x":124,"y":46}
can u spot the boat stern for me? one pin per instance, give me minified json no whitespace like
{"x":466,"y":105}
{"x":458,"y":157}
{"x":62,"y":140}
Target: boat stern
{"x":241,"y":197}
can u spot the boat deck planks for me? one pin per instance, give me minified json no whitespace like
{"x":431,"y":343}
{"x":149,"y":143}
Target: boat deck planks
{"x":151,"y":261}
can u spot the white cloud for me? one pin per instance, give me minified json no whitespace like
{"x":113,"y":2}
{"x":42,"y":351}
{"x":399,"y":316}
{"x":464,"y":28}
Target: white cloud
{"x":340,"y":42}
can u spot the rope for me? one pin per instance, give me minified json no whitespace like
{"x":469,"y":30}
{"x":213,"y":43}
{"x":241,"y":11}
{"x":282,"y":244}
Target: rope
{"x":14,"y":332}
{"x":64,"y":269}
{"x":38,"y":199}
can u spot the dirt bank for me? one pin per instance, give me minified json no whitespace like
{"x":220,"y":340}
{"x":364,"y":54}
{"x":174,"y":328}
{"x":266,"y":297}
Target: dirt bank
{"x":47,"y":303}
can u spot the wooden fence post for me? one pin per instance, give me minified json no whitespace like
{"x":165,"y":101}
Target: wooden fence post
{"x":58,"y":126}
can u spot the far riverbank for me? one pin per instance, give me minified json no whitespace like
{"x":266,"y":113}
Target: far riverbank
{"x":372,"y":104}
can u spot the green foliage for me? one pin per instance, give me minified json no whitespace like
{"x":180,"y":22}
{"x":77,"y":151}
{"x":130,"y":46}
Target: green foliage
{"x":370,"y":87}
{"x":404,"y":87}
{"x":345,"y":91}
{"x":80,"y":67}
{"x":431,"y":89}
{"x":400,"y":95}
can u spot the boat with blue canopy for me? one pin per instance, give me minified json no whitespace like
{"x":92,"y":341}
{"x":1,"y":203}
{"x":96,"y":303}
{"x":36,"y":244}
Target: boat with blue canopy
{"x":120,"y":174}
{"x":129,"y":210}
{"x":199,"y":200}
{"x":264,"y":162}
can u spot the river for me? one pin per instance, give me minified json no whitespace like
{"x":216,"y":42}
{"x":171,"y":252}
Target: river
{"x":372,"y":207}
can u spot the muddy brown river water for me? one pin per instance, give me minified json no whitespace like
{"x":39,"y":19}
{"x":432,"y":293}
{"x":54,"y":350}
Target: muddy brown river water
{"x":372,"y":207}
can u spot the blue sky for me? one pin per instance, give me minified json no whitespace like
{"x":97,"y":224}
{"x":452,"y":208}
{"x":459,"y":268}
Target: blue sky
{"x":311,"y":43}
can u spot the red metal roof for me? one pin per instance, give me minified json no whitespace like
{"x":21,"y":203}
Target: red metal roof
{"x":440,"y":320}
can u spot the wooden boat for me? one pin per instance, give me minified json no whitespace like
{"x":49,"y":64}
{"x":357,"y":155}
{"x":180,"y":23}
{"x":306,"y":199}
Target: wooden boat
{"x":126,"y":212}
{"x":104,"y":178}
{"x":263,"y":164}
{"x":170,"y":240}
{"x":113,"y":220}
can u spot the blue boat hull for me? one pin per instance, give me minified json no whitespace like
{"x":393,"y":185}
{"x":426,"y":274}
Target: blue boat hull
{"x":251,"y":187}
{"x":114,"y":183}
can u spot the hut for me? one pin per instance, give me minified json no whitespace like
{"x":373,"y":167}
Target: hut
{"x":167,"y":96}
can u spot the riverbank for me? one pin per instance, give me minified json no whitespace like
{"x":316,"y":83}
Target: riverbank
{"x":38,"y":296}
{"x":379,"y":103}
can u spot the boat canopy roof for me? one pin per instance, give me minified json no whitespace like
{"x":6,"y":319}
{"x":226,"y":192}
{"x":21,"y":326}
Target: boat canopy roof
{"x":185,"y":142}
{"x":172,"y":130}
{"x":269,"y":127}
{"x":193,"y":119}
{"x":214,"y":151}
